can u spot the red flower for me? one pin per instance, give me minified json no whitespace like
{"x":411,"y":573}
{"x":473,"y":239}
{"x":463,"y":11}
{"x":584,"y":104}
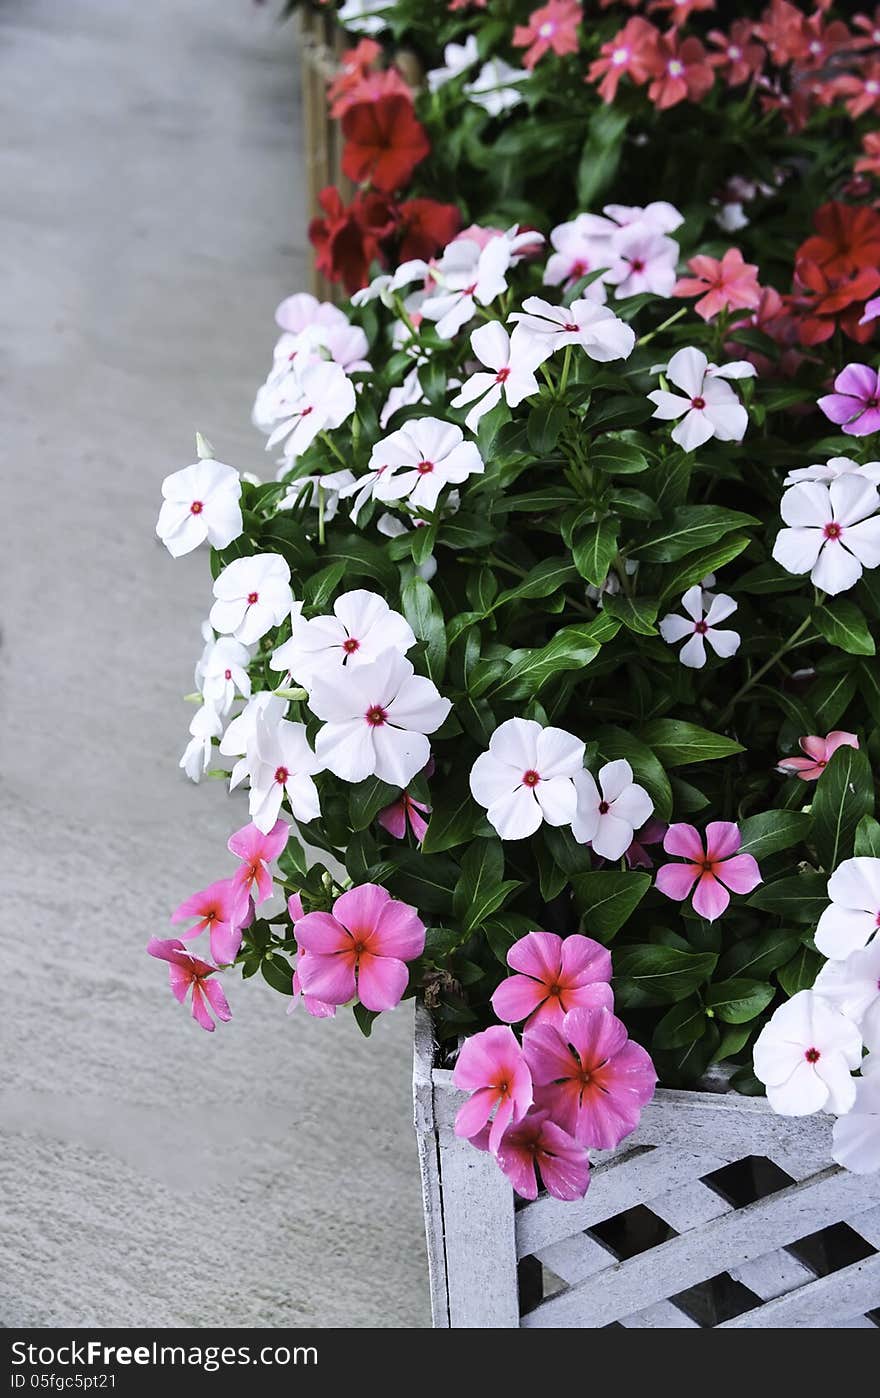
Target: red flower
{"x":348,"y":240}
{"x":426,"y":227}
{"x":383,"y":142}
{"x":739,"y":57}
{"x":680,"y":69}
{"x":869,"y":163}
{"x":824,"y":303}
{"x":372,"y":87}
{"x":631,"y":53}
{"x":846,"y":239}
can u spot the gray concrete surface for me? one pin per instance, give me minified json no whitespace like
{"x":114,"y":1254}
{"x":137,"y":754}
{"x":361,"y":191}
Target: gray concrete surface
{"x":151,"y":216}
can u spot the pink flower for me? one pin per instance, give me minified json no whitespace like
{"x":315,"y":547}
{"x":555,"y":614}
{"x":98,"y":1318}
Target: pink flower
{"x":819,"y":752}
{"x":185,"y":970}
{"x":592,"y":1079}
{"x":492,"y":1067}
{"x":554,"y":976}
{"x":360,"y":949}
{"x":224,"y":909}
{"x":537,"y":1143}
{"x":730,"y":284}
{"x":629,"y":53}
{"x":651,"y":833}
{"x":553,"y":26}
{"x":318,"y":1009}
{"x":714,"y":870}
{"x":402,"y":812}
{"x":855,"y":403}
{"x":255,"y":850}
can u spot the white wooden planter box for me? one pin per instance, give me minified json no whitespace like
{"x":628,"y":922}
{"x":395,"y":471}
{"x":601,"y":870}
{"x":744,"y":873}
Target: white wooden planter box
{"x":716,"y":1213}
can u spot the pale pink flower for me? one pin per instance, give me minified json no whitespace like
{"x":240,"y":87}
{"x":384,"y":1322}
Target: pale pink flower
{"x":314,"y":396}
{"x":542,"y":329}
{"x":730,"y":284}
{"x":492,"y":1067}
{"x":318,"y":1009}
{"x":580,"y":247}
{"x":186,"y":971}
{"x":651,"y":833}
{"x":403,"y":812}
{"x":699,"y":626}
{"x":554,"y":975}
{"x":644,"y":261}
{"x":512,"y":376}
{"x":537,"y":1144}
{"x":302,"y":311}
{"x":855,"y":403}
{"x":255,"y":850}
{"x":222,"y":909}
{"x":361,"y":628}
{"x":714,"y":869}
{"x":361,"y":949}
{"x":590,"y":1076}
{"x":833,"y":531}
{"x":819,"y":753}
{"x":420,"y":459}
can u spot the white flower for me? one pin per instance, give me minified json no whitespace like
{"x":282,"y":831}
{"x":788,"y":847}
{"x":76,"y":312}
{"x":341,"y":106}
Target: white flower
{"x":418,"y":460}
{"x":543,"y":328}
{"x":200,"y":502}
{"x":206,"y":724}
{"x":853,"y":986}
{"x":643,"y":261}
{"x":375,"y":720}
{"x":312,"y":398}
{"x":222,"y":673}
{"x":404,"y":395}
{"x":383,"y":287}
{"x":364,"y":16}
{"x":701,"y":626}
{"x":527,"y":776}
{"x":302,"y":311}
{"x":608,"y":814}
{"x":253,"y":595}
{"x":854,"y":914}
{"x":466,"y":276}
{"x":512,"y":375}
{"x":241,"y":731}
{"x":832,"y":534}
{"x":660,"y":215}
{"x":280,"y":762}
{"x":362,"y":627}
{"x":494,"y":88}
{"x":835,"y":466}
{"x":711,"y":408}
{"x":805,"y":1057}
{"x":857,"y":1135}
{"x":345,"y":344}
{"x":580,"y":247}
{"x":329,"y":490}
{"x":457,"y":58}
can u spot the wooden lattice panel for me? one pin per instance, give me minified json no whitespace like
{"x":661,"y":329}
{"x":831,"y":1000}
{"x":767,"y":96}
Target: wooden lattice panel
{"x":716,"y":1213}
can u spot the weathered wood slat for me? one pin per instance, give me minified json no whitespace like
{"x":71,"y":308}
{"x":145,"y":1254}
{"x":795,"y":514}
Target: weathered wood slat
{"x":573,"y":1259}
{"x":841,"y":1296}
{"x":663,"y":1315}
{"x":479,"y":1237}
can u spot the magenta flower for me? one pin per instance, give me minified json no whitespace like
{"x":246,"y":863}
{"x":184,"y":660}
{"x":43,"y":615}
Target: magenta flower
{"x":855,"y":403}
{"x":537,"y":1143}
{"x":255,"y":850}
{"x":714,"y":869}
{"x":223,"y":908}
{"x":819,"y":753}
{"x":554,"y":976}
{"x":185,"y":971}
{"x":591,"y":1078}
{"x":402,"y":812}
{"x":492,"y":1067}
{"x":318,"y":1009}
{"x":651,"y":833}
{"x":360,"y":949}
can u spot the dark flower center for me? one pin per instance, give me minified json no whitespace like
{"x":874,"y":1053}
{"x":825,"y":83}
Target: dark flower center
{"x":604,"y":808}
{"x":376,"y":716}
{"x":351,"y":645}
{"x":701,"y":628}
{"x":196,"y":507}
{"x":281,"y":775}
{"x":832,"y":530}
{"x":812,"y":1055}
{"x":531,"y":778}
{"x":425,"y":468}
{"x":698,"y":403}
{"x":252,"y":598}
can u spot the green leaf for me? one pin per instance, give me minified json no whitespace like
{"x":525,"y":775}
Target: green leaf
{"x":593,"y":552}
{"x":601,"y":153}
{"x":771,"y":831}
{"x":616,"y":743}
{"x":543,"y":580}
{"x":504,"y":929}
{"x":798,"y":898}
{"x":292,"y":861}
{"x":321,"y":586}
{"x":759,"y":956}
{"x":870,"y":689}
{"x":607,"y":898}
{"x":800,"y":973}
{"x":867,"y":841}
{"x":425,"y":616}
{"x":844,"y":625}
{"x":768,"y":578}
{"x":452,"y":822}
{"x":426,"y":881}
{"x":681,"y":1025}
{"x":738,"y":1000}
{"x":659,"y":975}
{"x":277,"y":971}
{"x":613,"y":414}
{"x":617,"y":458}
{"x":482,"y":871}
{"x":551,"y":877}
{"x":365,"y":1019}
{"x":638,"y":614}
{"x":688,"y":528}
{"x":367,"y":798}
{"x":844,"y":793}
{"x":545,"y":422}
{"x":552,"y":497}
{"x":697,"y":565}
{"x":830,"y":696}
{"x":677,"y":743}
{"x":572,"y":648}
{"x":361,"y":558}
{"x":288,"y":538}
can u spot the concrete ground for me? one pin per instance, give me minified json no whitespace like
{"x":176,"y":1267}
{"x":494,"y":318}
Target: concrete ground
{"x":151,"y":216}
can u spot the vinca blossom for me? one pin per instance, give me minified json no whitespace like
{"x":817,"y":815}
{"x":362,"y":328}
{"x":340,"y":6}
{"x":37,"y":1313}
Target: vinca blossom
{"x":512,"y":376}
{"x":360,"y":949}
{"x":527,"y":777}
{"x":313,"y":397}
{"x":466,"y":276}
{"x":852,"y":920}
{"x":832,"y":468}
{"x":730,"y":284}
{"x":853,"y":987}
{"x":383,"y":287}
{"x":707,"y":406}
{"x":280,"y":763}
{"x":221,"y":910}
{"x":590,"y":1076}
{"x":361,"y":628}
{"x":187,"y":972}
{"x":609,"y":812}
{"x":855,"y":403}
{"x":819,"y":752}
{"x":241,"y":731}
{"x":805,"y":1057}
{"x":496,"y":87}
{"x":457,"y":58}
{"x":833,"y":531}
{"x":402,"y":813}
{"x":856,"y":1136}
{"x":701,"y":626}
{"x":714,"y":869}
{"x":537,"y":1145}
{"x":200,"y":503}
{"x":253,"y":596}
{"x":579,"y":247}
{"x":256,"y":849}
{"x":421,"y":459}
{"x":302,"y":311}
{"x":206,"y":724}
{"x":376,"y":719}
{"x":552,"y":28}
{"x":222,"y":673}
{"x":542,"y":329}
{"x":644,"y":261}
{"x":318,"y":1009}
{"x":492,"y":1067}
{"x":553,"y":975}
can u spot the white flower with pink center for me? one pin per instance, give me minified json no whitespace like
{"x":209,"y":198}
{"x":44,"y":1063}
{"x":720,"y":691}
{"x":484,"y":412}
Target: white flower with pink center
{"x":223,"y":672}
{"x":542,"y":329}
{"x":376,"y":720}
{"x":700,"y":627}
{"x":805,"y":1057}
{"x":707,"y":407}
{"x":241,"y":732}
{"x":835,"y":466}
{"x":579,"y":247}
{"x":853,"y":987}
{"x":833,"y":531}
{"x":611,"y":810}
{"x":253,"y":595}
{"x":200,"y":502}
{"x":466,"y":276}
{"x":313,"y":397}
{"x":206,"y":724}
{"x":852,"y":919}
{"x":527,"y":777}
{"x":361,"y":628}
{"x":346,"y":345}
{"x":419,"y":460}
{"x":511,"y":377}
{"x":643,"y":261}
{"x":280,"y":763}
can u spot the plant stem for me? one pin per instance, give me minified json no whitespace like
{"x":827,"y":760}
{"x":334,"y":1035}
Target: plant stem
{"x":321,"y":515}
{"x":762,"y":670}
{"x":566,"y":365}
{"x":646,"y":339}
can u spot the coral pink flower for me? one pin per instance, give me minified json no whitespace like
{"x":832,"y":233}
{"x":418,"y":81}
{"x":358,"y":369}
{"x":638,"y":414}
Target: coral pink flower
{"x":680,"y":10}
{"x":223,"y":909}
{"x":869,"y":163}
{"x":255,"y":850}
{"x":360,"y":949}
{"x":591,"y":1078}
{"x":402,"y":812}
{"x":680,"y":71}
{"x":714,"y":870}
{"x":819,"y":753}
{"x":730,"y":284}
{"x":537,"y":1144}
{"x":553,"y":26}
{"x":630,"y":53}
{"x":318,"y":1009}
{"x":492,"y":1067}
{"x":554,"y":976}
{"x":185,"y":971}
{"x":739,"y":57}
{"x":862,"y":90}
